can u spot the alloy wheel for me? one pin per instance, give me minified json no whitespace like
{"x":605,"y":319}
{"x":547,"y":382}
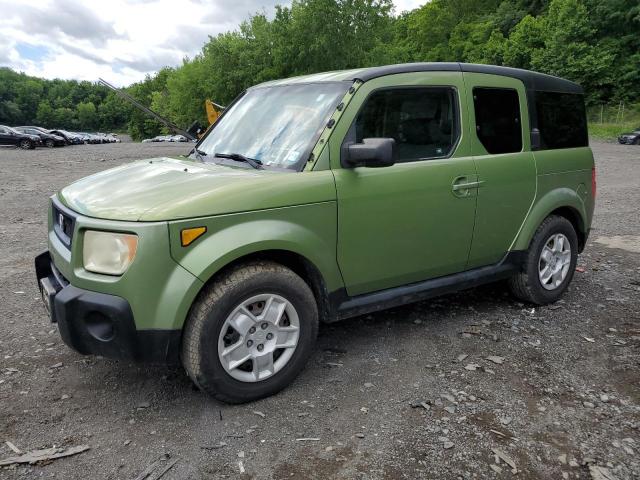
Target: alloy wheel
{"x":555,"y":261}
{"x":259,"y":338}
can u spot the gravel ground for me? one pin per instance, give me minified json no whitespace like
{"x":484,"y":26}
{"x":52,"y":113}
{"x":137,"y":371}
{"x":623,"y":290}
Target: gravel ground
{"x":392,"y":395}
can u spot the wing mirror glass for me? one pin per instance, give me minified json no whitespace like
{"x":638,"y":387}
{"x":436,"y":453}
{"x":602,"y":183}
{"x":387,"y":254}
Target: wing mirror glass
{"x":372,"y":153}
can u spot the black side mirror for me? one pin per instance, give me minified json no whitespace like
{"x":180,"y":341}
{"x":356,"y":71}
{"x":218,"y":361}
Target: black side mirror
{"x":372,"y":152}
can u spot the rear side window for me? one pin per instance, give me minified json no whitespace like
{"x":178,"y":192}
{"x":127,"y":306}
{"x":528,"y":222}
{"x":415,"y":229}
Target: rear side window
{"x":498,"y":119}
{"x":423,"y":121}
{"x":561,"y":120}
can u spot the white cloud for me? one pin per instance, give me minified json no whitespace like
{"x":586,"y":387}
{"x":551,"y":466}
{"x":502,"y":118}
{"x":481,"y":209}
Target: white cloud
{"x":119,"y":40}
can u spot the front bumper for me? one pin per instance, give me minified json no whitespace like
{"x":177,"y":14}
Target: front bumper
{"x":95,"y":323}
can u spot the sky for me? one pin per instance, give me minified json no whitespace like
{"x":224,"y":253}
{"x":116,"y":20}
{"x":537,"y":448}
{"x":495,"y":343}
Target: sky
{"x":118,"y":40}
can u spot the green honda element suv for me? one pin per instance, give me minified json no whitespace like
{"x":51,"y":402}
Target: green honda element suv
{"x":318,"y":198}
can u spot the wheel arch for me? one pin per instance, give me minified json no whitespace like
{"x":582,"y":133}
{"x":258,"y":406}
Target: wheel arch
{"x":298,"y":263}
{"x":563,"y":202}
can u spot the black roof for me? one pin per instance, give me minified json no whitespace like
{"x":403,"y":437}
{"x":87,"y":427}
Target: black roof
{"x":531,"y":80}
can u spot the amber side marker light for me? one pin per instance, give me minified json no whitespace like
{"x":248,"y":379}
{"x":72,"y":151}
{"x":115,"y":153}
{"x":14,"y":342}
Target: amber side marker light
{"x":190,"y":235}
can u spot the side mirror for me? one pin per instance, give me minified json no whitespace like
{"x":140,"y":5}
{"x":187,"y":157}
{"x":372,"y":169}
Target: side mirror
{"x":372,"y":152}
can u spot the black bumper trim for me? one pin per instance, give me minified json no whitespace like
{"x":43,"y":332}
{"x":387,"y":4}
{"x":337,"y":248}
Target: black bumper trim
{"x":95,"y":323}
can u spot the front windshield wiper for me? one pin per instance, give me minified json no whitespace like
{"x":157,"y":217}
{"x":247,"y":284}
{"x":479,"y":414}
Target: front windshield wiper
{"x":254,"y":162}
{"x":199,"y":154}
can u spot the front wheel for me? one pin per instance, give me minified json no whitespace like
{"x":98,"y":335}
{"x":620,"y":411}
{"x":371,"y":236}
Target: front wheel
{"x":50,"y":143}
{"x":250,"y":333}
{"x":26,"y":145}
{"x":550,"y":263}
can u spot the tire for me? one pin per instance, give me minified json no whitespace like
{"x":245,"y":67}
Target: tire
{"x":528,"y":284}
{"x":49,"y":143}
{"x":636,"y":141}
{"x":203,"y":339}
{"x":26,"y":145}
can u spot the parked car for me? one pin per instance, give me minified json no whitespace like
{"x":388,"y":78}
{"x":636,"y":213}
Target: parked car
{"x":178,"y":138}
{"x":9,"y":136}
{"x":632,"y":138}
{"x":47,"y":139}
{"x":69,"y":137}
{"x":157,"y":138}
{"x":90,"y":138}
{"x":104,"y":138}
{"x":318,"y":199}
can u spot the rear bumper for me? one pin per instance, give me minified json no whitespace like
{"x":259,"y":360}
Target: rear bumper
{"x":95,"y":323}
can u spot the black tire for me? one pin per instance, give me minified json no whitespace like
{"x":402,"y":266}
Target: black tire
{"x":526,"y":285}
{"x":49,"y":143}
{"x":26,"y":145}
{"x":636,"y":141}
{"x":211,"y":309}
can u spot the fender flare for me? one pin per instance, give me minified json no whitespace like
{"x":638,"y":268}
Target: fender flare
{"x":543,"y":207}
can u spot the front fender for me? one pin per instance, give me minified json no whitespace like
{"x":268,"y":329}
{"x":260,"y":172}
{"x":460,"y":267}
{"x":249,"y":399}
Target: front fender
{"x":307,"y":230}
{"x":552,"y":200}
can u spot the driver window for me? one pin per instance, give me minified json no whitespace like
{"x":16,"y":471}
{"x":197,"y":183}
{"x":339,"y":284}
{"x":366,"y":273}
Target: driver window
{"x":423,"y":121}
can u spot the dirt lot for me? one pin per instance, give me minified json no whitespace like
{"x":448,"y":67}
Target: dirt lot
{"x":566,"y":396}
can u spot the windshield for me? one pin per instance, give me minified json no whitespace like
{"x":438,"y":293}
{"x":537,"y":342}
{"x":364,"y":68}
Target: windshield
{"x":276,"y":125}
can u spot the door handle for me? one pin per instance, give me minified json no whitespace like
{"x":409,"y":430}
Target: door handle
{"x":465,"y":186}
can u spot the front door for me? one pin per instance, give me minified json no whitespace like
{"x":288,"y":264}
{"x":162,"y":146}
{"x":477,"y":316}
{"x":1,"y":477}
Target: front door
{"x":414,"y":220}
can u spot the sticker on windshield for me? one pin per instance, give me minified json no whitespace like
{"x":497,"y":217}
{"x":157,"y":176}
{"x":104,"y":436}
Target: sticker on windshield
{"x":292,"y":156}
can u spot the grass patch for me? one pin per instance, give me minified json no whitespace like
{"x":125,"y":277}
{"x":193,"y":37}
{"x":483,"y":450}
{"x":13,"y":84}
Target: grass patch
{"x":610,"y":131}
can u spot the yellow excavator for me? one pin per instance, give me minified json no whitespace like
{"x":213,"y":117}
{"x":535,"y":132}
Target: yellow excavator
{"x":213,"y":111}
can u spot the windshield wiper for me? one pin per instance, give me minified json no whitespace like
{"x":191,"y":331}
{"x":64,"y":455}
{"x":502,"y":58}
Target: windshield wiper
{"x":254,"y":162}
{"x":199,"y":154}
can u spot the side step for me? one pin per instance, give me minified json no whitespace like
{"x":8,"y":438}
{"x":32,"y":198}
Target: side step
{"x":346,"y":307}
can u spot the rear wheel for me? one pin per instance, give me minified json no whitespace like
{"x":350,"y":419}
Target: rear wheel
{"x":26,"y":144}
{"x":50,"y":143}
{"x":550,"y":263}
{"x":250,"y":333}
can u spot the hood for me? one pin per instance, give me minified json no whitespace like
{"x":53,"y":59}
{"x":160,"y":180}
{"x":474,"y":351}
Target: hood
{"x":170,"y":188}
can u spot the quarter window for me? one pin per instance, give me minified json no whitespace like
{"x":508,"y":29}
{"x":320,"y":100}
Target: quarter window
{"x":498,"y":124}
{"x":422,"y":121}
{"x":561,"y":120}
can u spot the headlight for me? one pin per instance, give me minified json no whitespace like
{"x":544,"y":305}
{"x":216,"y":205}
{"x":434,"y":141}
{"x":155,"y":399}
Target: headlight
{"x":108,"y":253}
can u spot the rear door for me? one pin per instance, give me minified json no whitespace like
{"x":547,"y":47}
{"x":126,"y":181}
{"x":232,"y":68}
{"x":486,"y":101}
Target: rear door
{"x":505,"y":164}
{"x":413,"y":220}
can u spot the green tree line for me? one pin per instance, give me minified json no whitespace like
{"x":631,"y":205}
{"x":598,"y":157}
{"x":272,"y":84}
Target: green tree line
{"x":65,"y":104}
{"x":595,"y":43}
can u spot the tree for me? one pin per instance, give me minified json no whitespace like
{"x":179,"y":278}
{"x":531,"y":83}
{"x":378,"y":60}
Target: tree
{"x":87,"y":119}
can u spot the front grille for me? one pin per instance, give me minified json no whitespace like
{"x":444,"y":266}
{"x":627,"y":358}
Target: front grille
{"x":63,"y":224}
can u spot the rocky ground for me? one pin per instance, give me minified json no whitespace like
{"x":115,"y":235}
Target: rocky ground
{"x":472,"y":385}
